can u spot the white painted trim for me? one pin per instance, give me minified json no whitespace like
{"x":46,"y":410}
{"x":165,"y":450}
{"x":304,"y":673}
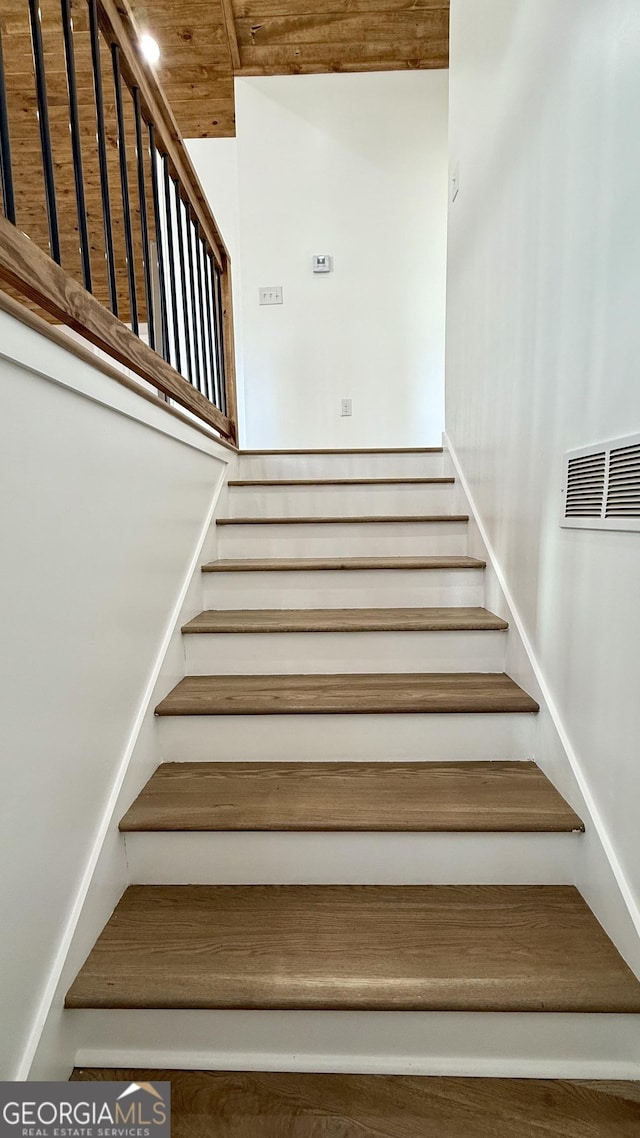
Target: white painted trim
{"x":23,"y":346}
{"x":107,"y":816}
{"x":343,"y":858}
{"x":506,"y":1044}
{"x":583,"y":784}
{"x":507,"y":1068}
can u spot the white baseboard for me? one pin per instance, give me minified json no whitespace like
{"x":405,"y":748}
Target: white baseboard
{"x":50,"y":1052}
{"x":620,"y":916}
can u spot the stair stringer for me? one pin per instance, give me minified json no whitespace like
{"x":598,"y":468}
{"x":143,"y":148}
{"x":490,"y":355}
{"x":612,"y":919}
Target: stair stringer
{"x":54,"y":1052}
{"x":599,"y":874}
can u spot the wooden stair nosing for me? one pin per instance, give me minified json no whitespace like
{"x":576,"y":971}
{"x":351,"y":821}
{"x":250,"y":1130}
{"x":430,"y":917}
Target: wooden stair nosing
{"x":401,"y":797}
{"x":321,"y":564}
{"x":280,"y":483}
{"x":355,"y":453}
{"x":378,"y":948}
{"x":362,"y":519}
{"x":454,"y":619}
{"x":351,"y":694}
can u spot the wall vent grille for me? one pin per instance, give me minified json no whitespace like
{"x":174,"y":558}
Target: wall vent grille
{"x":601,"y":487}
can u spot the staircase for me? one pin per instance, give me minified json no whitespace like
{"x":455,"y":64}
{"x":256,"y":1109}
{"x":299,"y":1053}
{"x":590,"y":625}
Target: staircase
{"x":345,"y":817}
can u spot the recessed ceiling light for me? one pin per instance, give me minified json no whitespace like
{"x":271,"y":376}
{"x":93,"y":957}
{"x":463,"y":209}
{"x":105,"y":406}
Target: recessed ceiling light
{"x":149,"y":49}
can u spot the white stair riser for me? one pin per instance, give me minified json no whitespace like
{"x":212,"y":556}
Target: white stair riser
{"x":341,"y":466}
{"x":508,"y":1044}
{"x":247,"y":653}
{"x":273,"y":738}
{"x":329,"y":501}
{"x":372,"y":539}
{"x":342,"y":588}
{"x":351,"y":859}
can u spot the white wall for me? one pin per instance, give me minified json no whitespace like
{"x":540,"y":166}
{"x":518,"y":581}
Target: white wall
{"x":104,"y":501}
{"x":353,"y":166}
{"x":543,"y":344}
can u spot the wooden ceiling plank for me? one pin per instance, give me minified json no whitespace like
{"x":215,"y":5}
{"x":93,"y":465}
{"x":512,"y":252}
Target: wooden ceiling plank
{"x":344,"y":29}
{"x":252,"y":70}
{"x":341,"y":56}
{"x":195,"y":67}
{"x":259,"y":9}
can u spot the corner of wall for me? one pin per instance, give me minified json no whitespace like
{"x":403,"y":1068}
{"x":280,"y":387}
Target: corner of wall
{"x":599,"y":873}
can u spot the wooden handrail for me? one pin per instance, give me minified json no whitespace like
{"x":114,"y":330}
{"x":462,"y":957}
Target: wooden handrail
{"x":35,"y":275}
{"x":82,"y":351}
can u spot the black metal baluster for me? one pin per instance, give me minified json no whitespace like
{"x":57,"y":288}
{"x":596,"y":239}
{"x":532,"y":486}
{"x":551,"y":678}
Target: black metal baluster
{"x":45,"y":132}
{"x":102,"y":156}
{"x":220,"y":323}
{"x":159,"y":249}
{"x":144,"y":221}
{"x":192,"y":292}
{"x":206,"y":362}
{"x":6,"y":173}
{"x":76,"y":145}
{"x":211,"y":299}
{"x":124,"y":184}
{"x":183,"y":282}
{"x":210,"y":326}
{"x":172,"y":261}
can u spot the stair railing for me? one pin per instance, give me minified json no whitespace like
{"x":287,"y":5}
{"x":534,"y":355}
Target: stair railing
{"x":130,"y":256}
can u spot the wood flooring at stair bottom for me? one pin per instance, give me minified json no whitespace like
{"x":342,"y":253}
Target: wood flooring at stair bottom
{"x":465,"y":796}
{"x":352,"y":694}
{"x":335,"y":947}
{"x":456,"y":619}
{"x":211,"y":1104}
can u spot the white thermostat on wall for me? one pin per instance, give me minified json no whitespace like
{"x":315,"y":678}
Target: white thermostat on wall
{"x":322,"y":263}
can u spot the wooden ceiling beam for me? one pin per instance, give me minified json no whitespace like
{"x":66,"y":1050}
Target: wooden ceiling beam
{"x":232,"y":34}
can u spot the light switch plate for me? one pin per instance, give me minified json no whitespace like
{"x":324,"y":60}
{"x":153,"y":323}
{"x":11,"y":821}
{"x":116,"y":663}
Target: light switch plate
{"x":271,"y":295}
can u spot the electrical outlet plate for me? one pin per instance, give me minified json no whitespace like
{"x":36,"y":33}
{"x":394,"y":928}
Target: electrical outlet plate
{"x":271,"y":295}
{"x":346,"y":407}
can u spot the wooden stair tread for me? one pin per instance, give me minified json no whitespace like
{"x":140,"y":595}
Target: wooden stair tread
{"x":457,"y":619}
{"x":302,"y":564}
{"x":352,"y":694}
{"x":481,"y":797}
{"x":309,"y":1105}
{"x":282,"y":482}
{"x":357,"y":451}
{"x":360,"y":519}
{"x":430,"y":948}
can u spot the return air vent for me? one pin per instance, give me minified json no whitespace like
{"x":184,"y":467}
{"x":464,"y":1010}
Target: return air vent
{"x":601,"y":488}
